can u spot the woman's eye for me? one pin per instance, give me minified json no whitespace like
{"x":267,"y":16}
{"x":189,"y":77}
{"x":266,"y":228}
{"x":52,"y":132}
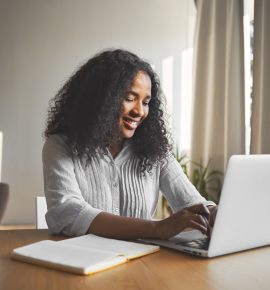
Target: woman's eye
{"x":129,"y":99}
{"x":146,"y":102}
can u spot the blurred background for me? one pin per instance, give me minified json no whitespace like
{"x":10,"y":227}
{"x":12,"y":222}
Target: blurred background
{"x":44,"y":42}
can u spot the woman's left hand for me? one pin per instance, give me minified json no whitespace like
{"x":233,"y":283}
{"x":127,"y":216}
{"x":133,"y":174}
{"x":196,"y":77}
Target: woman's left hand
{"x":213,"y":212}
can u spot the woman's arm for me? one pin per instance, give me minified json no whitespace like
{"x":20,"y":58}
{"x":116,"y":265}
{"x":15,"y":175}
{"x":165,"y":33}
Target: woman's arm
{"x":68,"y":212}
{"x":112,"y":226}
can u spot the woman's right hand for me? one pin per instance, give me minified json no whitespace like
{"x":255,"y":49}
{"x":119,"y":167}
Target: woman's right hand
{"x":196,"y":216}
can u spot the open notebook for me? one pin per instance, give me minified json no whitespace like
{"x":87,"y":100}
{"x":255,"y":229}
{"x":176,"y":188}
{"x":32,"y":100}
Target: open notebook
{"x":82,"y":255}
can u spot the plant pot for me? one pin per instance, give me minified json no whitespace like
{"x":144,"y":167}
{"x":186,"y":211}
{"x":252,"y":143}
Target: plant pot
{"x":4,"y":195}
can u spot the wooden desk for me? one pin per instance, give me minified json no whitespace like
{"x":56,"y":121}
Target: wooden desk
{"x":16,"y":227}
{"x":166,"y":270}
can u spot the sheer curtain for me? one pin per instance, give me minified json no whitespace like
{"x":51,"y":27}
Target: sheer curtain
{"x":260,"y":120}
{"x":218,"y":123}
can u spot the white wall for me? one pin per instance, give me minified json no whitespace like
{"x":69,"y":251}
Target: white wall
{"x":43,"y":42}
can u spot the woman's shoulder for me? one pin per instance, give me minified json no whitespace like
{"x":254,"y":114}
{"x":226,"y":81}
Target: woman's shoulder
{"x":55,"y":143}
{"x":168,"y":158}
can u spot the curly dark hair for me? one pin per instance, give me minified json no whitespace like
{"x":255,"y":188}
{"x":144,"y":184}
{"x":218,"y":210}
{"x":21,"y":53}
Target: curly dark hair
{"x":87,"y":108}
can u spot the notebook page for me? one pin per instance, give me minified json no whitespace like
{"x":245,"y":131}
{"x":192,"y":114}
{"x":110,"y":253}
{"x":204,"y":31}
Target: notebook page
{"x":68,"y":257}
{"x":130,"y":249}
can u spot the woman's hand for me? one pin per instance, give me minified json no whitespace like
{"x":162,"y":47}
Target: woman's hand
{"x":118,"y":227}
{"x":196,"y":216}
{"x":213,"y":212}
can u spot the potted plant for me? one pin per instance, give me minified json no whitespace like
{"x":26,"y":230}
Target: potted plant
{"x":207,"y":181}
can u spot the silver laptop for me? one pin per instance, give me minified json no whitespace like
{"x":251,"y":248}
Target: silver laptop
{"x":243,"y":217}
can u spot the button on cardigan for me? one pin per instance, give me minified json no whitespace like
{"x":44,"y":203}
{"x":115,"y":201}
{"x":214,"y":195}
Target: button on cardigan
{"x":77,"y":191}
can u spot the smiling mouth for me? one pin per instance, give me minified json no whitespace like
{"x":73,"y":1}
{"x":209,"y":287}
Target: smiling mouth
{"x":130,"y":124}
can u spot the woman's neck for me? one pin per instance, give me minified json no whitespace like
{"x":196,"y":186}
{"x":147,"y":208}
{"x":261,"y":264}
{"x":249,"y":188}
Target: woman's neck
{"x":116,"y":147}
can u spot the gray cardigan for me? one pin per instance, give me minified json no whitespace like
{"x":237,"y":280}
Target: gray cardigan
{"x":77,"y":191}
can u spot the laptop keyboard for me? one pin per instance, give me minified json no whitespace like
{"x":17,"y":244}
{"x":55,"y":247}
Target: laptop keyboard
{"x":202,"y":244}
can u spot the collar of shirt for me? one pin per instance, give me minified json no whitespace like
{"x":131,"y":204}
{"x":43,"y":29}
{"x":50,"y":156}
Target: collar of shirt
{"x":122,"y":156}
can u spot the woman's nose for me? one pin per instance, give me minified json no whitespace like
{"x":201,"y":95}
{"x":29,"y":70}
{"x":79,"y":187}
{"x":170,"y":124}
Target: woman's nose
{"x":138,"y":109}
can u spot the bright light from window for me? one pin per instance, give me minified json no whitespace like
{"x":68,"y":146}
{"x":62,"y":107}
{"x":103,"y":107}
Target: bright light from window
{"x":248,"y":18}
{"x":167,"y":84}
{"x":186,"y":97}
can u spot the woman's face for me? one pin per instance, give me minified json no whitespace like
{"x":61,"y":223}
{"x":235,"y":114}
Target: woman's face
{"x":135,"y":106}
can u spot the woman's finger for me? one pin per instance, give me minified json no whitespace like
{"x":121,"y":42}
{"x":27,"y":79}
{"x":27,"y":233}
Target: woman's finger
{"x":213,"y":213}
{"x":197,"y":226}
{"x":199,"y":209}
{"x":202,"y":220}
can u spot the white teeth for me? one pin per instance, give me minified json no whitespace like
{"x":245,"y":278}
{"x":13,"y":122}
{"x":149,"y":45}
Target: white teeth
{"x":133,"y":124}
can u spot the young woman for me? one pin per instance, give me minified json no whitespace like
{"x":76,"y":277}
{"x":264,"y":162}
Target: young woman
{"x":107,"y":156}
